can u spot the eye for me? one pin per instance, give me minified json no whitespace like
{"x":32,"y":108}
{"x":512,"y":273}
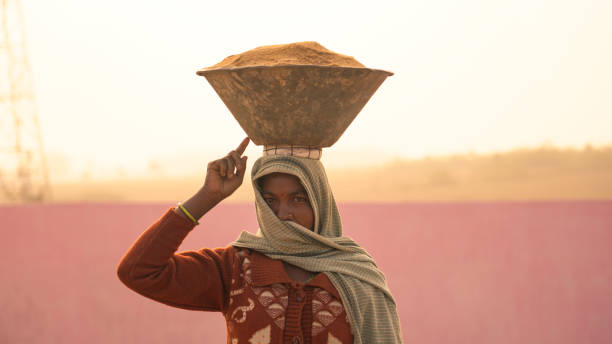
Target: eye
{"x":269,"y":200}
{"x":300,"y":199}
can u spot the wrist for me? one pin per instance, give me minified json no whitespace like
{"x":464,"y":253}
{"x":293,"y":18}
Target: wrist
{"x":180,"y":208}
{"x":199,"y":204}
{"x":203,"y":195}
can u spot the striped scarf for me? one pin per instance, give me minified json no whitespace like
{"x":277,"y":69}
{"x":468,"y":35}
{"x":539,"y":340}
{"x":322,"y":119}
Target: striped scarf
{"x":370,"y":307}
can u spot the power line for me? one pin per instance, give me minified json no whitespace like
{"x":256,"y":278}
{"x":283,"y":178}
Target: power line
{"x":23,"y":168}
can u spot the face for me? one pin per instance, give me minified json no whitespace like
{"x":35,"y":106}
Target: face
{"x":287,"y":198}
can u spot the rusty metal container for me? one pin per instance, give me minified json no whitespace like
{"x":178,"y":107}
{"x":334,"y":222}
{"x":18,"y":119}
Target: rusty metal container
{"x":294,"y":104}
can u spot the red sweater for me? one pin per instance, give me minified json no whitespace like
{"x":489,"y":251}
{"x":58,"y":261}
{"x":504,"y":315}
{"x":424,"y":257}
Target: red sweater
{"x":261,"y":304}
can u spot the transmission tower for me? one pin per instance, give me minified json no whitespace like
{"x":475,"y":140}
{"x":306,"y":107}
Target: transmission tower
{"x":23,"y":168}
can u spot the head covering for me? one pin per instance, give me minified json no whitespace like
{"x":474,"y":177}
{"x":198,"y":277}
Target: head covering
{"x":370,"y":307}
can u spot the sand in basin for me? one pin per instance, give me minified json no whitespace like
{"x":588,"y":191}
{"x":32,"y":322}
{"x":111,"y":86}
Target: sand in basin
{"x":301,"y":53}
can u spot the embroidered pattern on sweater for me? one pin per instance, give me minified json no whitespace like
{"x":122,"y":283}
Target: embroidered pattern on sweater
{"x":325,"y":310}
{"x":261,"y":336}
{"x":239,"y":314}
{"x":273,"y":298}
{"x":241,"y":317}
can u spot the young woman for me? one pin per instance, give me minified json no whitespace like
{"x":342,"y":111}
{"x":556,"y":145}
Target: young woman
{"x":298,"y":280}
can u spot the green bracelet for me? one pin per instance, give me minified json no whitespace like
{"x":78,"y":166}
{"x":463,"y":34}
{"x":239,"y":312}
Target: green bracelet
{"x":187,"y":213}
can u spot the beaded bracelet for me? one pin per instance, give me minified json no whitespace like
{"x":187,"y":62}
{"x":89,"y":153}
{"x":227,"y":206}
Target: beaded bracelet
{"x":187,"y":213}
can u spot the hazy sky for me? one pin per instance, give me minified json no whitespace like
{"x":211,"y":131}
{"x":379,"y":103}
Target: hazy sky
{"x":116,"y":83}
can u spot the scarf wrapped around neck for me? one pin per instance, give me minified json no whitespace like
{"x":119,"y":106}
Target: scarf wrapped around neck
{"x":370,"y":307}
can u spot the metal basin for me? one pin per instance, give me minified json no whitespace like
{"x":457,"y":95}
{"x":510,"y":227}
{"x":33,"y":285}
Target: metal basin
{"x":303,"y":105}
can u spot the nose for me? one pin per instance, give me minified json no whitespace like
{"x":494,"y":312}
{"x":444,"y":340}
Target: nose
{"x":284,"y":213}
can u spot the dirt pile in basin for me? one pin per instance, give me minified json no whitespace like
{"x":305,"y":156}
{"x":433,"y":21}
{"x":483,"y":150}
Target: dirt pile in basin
{"x":301,"y":53}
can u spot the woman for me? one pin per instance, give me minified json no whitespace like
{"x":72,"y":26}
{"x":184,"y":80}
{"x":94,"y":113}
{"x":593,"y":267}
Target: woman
{"x":297,"y":281}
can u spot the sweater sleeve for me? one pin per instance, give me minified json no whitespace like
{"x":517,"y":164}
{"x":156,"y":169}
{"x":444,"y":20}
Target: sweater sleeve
{"x":196,"y":280}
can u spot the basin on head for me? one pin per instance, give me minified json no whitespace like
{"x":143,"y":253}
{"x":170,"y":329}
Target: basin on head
{"x":298,"y":94}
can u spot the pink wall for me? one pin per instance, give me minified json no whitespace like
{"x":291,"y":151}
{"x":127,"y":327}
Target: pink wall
{"x":461,"y":272}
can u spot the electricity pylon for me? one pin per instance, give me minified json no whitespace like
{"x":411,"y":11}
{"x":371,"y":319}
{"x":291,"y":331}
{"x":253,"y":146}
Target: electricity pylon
{"x":23,"y":168}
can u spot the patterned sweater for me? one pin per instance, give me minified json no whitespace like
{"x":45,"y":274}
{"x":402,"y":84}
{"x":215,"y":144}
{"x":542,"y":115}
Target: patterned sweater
{"x":261,"y":304}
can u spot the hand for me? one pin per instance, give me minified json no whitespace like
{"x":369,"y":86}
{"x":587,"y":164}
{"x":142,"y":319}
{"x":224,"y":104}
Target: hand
{"x":225,"y":175}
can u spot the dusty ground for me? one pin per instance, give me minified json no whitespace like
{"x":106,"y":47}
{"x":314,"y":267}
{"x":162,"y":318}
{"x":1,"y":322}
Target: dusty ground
{"x":527,"y":174}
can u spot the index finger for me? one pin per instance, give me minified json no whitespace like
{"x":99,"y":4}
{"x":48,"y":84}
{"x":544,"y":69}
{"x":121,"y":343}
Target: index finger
{"x":243,"y":145}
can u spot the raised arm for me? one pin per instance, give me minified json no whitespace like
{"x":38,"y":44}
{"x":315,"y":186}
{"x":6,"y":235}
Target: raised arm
{"x":196,"y":280}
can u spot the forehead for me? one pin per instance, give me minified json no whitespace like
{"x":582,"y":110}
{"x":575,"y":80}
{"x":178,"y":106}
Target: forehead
{"x":280,"y":182}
